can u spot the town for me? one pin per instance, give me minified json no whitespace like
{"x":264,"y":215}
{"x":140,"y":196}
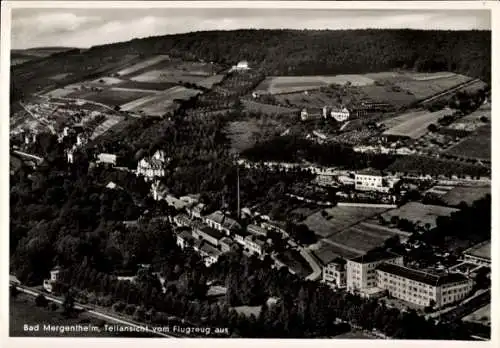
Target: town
{"x":174,"y":189}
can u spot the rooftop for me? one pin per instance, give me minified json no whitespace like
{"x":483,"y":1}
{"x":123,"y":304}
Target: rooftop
{"x":326,"y":255}
{"x":212,"y":232}
{"x":256,"y":229}
{"x":370,"y":171}
{"x":375,"y":256}
{"x":482,"y":250}
{"x":210,"y":250}
{"x":421,"y":277}
{"x":185,"y":234}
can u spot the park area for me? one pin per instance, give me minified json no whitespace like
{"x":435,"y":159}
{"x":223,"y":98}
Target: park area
{"x":419,"y":213}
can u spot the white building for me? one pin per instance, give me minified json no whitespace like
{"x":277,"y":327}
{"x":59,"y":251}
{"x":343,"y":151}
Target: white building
{"x":361,"y":275}
{"x":241,"y":66}
{"x":340,"y":115}
{"x":370,"y":180}
{"x":106,"y":158}
{"x":152,"y":167}
{"x":421,"y":288}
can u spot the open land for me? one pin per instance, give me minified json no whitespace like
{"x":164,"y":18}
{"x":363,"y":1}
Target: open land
{"x":338,"y":219}
{"x":472,"y":121}
{"x":110,"y":96}
{"x":481,"y":316}
{"x":144,"y":64}
{"x":291,"y":84}
{"x":418,"y":212}
{"x":416,"y":126}
{"x":209,"y":82}
{"x":476,"y":146}
{"x":418,"y":165}
{"x":481,"y":250}
{"x":465,"y":194}
{"x":422,"y":89}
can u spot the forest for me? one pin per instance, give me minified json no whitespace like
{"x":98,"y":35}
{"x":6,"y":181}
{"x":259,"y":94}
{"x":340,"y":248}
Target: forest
{"x":278,"y":52}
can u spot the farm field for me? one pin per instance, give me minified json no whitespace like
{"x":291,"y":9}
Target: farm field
{"x":326,"y":250}
{"x":175,"y":71}
{"x":142,"y":65}
{"x":357,"y":239}
{"x":472,"y":121}
{"x":269,"y":109}
{"x":416,"y":126}
{"x":110,"y":96}
{"x":476,"y":146}
{"x":481,"y":250}
{"x":388,"y":94}
{"x":160,"y":103}
{"x":244,"y":134}
{"x":290,"y":84}
{"x":421,"y":165}
{"x":419,"y":213}
{"x":422,"y":89}
{"x":157,"y":86}
{"x":210,"y":81}
{"x":465,"y":194}
{"x":105,"y":126}
{"x":338,"y":218}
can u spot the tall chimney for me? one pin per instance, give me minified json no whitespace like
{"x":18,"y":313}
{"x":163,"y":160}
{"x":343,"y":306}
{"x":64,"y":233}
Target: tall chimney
{"x":238,"y":190}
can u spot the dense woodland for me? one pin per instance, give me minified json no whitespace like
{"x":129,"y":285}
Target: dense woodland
{"x":277,"y":52}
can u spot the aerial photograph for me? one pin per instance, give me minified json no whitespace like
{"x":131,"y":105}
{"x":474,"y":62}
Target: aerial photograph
{"x":250,"y":173}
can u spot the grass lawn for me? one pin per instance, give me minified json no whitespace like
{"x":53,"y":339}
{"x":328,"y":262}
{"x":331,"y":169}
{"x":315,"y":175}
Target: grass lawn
{"x":418,"y":212}
{"x":109,"y":96}
{"x":482,"y":316}
{"x":477,"y":146}
{"x":465,"y":194}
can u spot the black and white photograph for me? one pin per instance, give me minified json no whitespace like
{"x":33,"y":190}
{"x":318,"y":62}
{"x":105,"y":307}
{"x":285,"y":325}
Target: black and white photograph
{"x":272,"y":172}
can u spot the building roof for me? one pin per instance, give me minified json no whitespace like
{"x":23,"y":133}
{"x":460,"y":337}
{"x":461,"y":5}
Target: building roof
{"x":375,"y":256}
{"x":256,"y":230}
{"x":176,"y":203}
{"x":421,"y":277}
{"x":226,"y":240}
{"x":370,"y":171}
{"x":242,"y":233}
{"x":482,"y":250}
{"x":210,"y":250}
{"x":107,"y":157}
{"x":216,"y":216}
{"x":185,"y":234}
{"x":326,"y":255}
{"x":212,"y":232}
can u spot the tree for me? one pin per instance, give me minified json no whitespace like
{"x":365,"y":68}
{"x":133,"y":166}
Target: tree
{"x":41,"y":301}
{"x":432,"y":128}
{"x":68,"y":303}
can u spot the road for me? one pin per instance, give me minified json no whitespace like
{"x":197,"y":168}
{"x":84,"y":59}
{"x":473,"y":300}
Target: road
{"x":42,"y":120}
{"x":140,"y":327}
{"x":30,"y":156}
{"x":317,"y":271}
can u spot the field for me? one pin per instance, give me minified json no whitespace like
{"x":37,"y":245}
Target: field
{"x":477,"y":146}
{"x":142,"y":65}
{"x":422,"y":89}
{"x":481,"y":250}
{"x":160,"y":103}
{"x":244,"y":134}
{"x":210,"y":81}
{"x":481,"y":316}
{"x":419,"y":213}
{"x":420,"y":165}
{"x":269,"y":109}
{"x":175,"y":71}
{"x":110,"y":96}
{"x":291,"y":84}
{"x":465,"y":194}
{"x":472,"y":121}
{"x":416,"y":126}
{"x":338,"y":218}
{"x":388,"y":94}
{"x":105,"y":126}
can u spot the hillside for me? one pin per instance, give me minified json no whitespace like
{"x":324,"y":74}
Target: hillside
{"x":276,"y":52}
{"x":24,"y":55}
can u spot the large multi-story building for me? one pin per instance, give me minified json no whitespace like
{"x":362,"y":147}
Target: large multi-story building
{"x":421,"y":288}
{"x":361,"y":274}
{"x":371,"y":180}
{"x":221,"y":222}
{"x":334,"y":274}
{"x":209,"y":234}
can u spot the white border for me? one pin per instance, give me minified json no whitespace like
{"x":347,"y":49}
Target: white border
{"x":393,"y":5}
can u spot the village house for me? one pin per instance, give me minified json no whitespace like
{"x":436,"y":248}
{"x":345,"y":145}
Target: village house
{"x":221,"y":222}
{"x":239,"y":236}
{"x":197,"y":210}
{"x":241,"y":66}
{"x":209,"y":254}
{"x":208,"y":234}
{"x":185,"y":238}
{"x":257,"y":230}
{"x":340,"y":115}
{"x":190,"y":199}
{"x":106,"y":159}
{"x":182,"y":220}
{"x":152,"y":167}
{"x":254,"y":245}
{"x":54,"y":277}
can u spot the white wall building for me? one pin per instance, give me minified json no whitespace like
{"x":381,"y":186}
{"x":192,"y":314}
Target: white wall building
{"x":370,"y":180}
{"x":340,"y":115}
{"x":152,"y":167}
{"x":361,"y":274}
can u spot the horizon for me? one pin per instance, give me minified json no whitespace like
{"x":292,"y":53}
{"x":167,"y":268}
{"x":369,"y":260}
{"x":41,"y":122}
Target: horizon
{"x":86,"y":28}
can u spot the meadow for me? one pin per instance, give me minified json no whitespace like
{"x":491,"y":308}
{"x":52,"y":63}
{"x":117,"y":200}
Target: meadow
{"x":419,"y":213}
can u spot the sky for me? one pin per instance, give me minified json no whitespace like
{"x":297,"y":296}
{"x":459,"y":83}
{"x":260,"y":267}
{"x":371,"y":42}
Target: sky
{"x":83,"y":28}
